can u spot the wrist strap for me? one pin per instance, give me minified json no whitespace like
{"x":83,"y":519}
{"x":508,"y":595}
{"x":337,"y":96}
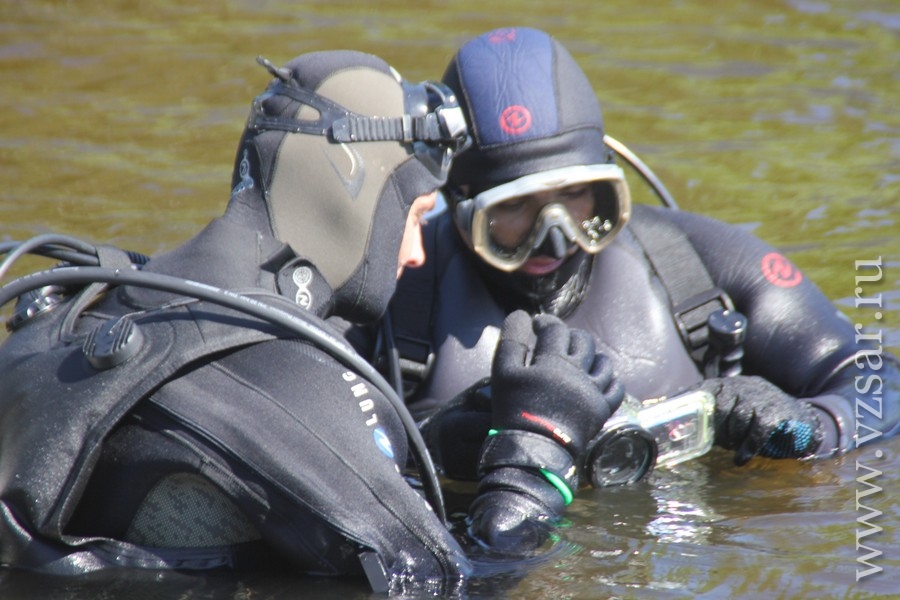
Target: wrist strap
{"x":563,"y":487}
{"x":527,"y":450}
{"x":836,"y":418}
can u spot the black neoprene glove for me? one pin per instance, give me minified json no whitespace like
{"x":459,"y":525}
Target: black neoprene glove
{"x":554,"y":385}
{"x":549,"y":397}
{"x":754,"y":416}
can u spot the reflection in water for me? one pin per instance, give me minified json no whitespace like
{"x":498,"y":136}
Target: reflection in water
{"x":779,"y":526}
{"x":119,"y":124}
{"x":681,"y":513}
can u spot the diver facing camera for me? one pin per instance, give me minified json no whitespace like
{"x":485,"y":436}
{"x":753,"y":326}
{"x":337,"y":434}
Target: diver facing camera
{"x":540,"y":219}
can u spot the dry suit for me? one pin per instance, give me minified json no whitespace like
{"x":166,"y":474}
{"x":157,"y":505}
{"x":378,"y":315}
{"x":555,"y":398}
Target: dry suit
{"x":141,"y":427}
{"x":795,"y":378}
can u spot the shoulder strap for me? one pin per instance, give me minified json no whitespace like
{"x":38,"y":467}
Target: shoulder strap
{"x":693,"y":295}
{"x":411,"y":311}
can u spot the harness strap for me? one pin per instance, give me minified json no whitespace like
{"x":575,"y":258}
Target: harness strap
{"x":693,"y":295}
{"x":413,"y":302}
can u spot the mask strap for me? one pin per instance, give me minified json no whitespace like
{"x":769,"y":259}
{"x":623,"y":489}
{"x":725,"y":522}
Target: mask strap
{"x":329,"y":111}
{"x":346,"y":126}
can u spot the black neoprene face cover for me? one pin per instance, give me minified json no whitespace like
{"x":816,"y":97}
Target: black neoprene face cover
{"x":343,"y":206}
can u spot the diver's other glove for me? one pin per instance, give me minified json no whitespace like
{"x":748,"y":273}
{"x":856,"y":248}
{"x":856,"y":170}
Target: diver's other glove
{"x":549,"y":397}
{"x":754,"y":416}
{"x":455,"y":434}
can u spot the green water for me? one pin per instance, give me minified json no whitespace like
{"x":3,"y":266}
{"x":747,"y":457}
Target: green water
{"x":118,"y":123}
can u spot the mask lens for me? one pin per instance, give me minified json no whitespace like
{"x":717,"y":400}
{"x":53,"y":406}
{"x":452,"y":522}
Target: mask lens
{"x":582,"y":214}
{"x":584,"y":205}
{"x":512,"y":222}
{"x":437,"y":159}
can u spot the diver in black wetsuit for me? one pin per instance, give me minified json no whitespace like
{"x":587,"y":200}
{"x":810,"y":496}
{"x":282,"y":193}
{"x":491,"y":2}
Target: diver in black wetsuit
{"x":195,"y":411}
{"x":539,"y":219}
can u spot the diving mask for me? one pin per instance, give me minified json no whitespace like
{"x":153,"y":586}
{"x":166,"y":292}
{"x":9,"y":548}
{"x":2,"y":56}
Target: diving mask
{"x":509,"y":223}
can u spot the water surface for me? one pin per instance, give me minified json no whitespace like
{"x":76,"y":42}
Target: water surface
{"x":119,"y":120}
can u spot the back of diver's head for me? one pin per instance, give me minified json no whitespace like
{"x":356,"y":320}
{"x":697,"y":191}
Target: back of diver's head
{"x":343,"y":206}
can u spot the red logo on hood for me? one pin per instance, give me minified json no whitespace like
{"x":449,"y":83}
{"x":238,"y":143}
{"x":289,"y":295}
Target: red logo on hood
{"x":498,"y":36}
{"x":515,"y":120}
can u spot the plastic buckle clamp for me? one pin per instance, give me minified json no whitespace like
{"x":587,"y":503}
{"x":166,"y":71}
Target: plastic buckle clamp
{"x":416,"y":357}
{"x":691,"y":317}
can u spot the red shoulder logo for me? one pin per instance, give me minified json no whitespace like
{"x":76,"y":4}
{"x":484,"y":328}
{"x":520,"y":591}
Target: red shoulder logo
{"x":515,"y":119}
{"x":779,"y":271}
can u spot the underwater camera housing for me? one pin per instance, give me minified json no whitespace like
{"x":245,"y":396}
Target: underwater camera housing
{"x":659,"y":432}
